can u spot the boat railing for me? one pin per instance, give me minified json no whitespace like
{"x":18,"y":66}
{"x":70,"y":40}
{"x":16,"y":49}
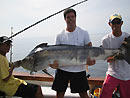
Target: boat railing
{"x":39,"y":77}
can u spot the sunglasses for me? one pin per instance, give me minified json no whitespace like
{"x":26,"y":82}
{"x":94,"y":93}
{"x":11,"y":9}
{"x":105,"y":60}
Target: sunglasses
{"x":116,"y":22}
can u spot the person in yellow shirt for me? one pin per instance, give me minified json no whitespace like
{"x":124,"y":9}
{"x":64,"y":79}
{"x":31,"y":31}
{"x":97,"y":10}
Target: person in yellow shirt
{"x":10,"y":85}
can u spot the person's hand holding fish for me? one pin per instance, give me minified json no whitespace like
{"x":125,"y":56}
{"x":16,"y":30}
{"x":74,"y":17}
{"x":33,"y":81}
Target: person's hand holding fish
{"x":14,"y":64}
{"x":90,"y":61}
{"x":110,"y":59}
{"x":55,"y":64}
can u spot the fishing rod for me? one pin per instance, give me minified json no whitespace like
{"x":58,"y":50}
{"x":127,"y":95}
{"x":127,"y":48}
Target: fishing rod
{"x":45,"y":19}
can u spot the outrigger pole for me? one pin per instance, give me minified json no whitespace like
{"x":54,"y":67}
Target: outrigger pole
{"x":45,"y":19}
{"x":11,"y":47}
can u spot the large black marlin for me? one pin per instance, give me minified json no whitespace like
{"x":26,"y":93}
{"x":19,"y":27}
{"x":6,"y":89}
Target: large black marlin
{"x":67,"y":55}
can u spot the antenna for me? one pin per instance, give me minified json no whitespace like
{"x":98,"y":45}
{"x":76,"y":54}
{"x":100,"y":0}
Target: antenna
{"x":11,"y":48}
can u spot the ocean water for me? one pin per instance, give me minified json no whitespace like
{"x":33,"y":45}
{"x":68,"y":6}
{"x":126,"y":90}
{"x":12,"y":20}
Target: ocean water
{"x":22,"y":47}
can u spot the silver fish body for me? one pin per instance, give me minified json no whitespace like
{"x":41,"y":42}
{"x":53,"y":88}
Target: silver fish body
{"x":66,"y":55}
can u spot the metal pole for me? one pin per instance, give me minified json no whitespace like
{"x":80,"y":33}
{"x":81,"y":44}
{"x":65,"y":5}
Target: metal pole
{"x":11,"y":48}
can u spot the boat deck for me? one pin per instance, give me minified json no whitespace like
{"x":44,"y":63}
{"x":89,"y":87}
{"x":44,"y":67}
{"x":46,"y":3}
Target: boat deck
{"x":43,"y":79}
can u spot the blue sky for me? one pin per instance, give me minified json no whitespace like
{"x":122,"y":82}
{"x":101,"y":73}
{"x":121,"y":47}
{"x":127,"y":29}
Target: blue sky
{"x":92,"y":16}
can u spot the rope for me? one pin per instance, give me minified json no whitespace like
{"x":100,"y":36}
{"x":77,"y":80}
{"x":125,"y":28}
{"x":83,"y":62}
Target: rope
{"x":45,"y":19}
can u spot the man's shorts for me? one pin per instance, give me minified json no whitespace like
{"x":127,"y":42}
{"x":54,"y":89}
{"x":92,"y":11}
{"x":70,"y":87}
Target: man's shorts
{"x":27,"y":91}
{"x":78,"y":81}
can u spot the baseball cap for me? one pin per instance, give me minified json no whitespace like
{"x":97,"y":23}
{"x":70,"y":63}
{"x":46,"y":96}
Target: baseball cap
{"x":4,"y":39}
{"x":114,"y":16}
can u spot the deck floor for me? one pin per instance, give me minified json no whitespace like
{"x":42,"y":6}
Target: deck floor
{"x":49,"y":93}
{"x":47,"y":96}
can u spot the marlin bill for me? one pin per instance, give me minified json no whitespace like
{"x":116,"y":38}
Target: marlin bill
{"x":66,"y":55}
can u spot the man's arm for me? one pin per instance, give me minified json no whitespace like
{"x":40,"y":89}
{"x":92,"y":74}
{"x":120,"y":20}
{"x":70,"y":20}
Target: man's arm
{"x":10,"y":73}
{"x":90,"y":62}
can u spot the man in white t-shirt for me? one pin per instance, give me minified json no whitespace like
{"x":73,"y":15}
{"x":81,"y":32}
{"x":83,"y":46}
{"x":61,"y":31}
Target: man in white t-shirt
{"x":118,"y":73}
{"x":76,"y":75}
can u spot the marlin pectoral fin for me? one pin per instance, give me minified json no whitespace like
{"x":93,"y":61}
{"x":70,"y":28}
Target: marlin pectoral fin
{"x":45,"y":71}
